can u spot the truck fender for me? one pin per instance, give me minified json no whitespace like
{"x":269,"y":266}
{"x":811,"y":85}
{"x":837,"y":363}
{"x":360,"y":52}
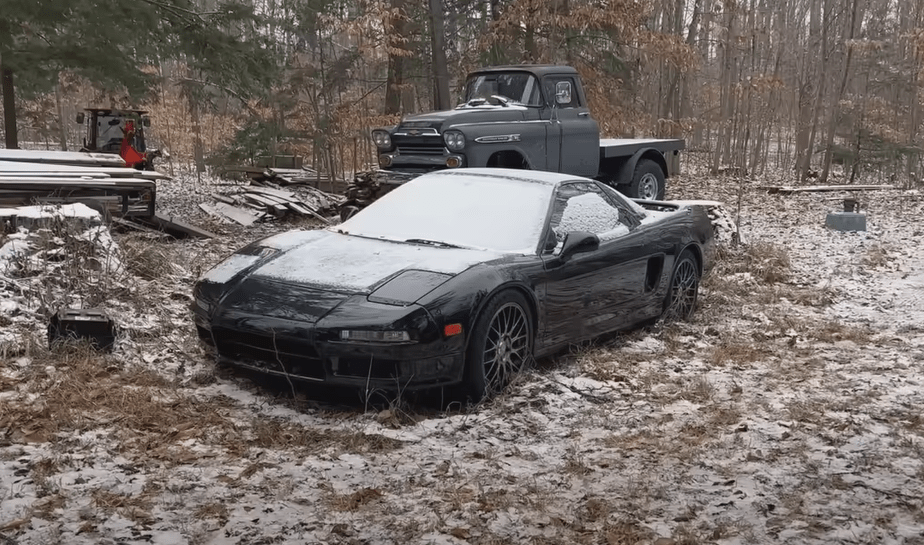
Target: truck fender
{"x":627,"y":170}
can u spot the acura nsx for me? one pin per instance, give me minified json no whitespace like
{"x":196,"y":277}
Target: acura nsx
{"x":457,"y":278}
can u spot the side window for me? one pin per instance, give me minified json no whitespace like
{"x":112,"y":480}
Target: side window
{"x":582,"y":206}
{"x":561,"y":91}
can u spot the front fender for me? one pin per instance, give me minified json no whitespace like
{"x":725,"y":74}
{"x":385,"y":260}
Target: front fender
{"x":462,"y":299}
{"x":525,"y":138}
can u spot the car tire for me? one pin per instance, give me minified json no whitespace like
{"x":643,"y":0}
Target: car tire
{"x":500,"y":346}
{"x":647,"y":181}
{"x":684,"y":289}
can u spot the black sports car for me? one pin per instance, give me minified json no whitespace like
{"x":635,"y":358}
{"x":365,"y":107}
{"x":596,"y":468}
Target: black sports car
{"x":458,"y":277}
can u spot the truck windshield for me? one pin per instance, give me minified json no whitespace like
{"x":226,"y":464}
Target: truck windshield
{"x":516,"y":87}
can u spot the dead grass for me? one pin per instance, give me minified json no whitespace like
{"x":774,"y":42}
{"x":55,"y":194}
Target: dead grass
{"x":352,"y":502}
{"x":212,"y":510}
{"x":134,"y":508}
{"x":820,"y":330}
{"x":723,"y":416}
{"x":144,"y":257}
{"x":739,"y":353}
{"x":876,"y":256}
{"x":697,"y":390}
{"x":607,"y":365}
{"x":150,"y":415}
{"x":768,"y":263}
{"x":811,"y":411}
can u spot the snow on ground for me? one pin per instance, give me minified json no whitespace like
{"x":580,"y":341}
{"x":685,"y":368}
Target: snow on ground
{"x":786,"y":411}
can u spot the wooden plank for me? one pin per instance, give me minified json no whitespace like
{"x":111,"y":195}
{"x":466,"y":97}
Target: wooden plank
{"x":62,"y":157}
{"x":278,"y":209}
{"x":16,"y":167}
{"x":223,"y":198}
{"x":823,"y":188}
{"x":174,"y":226}
{"x":51,"y":174}
{"x":139,"y":227}
{"x":278,"y":193}
{"x":305,"y":209}
{"x":233,"y":213}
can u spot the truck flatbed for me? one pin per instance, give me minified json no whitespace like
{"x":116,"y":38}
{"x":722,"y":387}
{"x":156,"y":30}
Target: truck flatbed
{"x":621,"y":147}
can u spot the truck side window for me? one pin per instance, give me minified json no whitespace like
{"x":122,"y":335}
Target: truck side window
{"x":560,"y":91}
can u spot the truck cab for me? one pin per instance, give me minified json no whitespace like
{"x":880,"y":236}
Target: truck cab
{"x":521,"y":116}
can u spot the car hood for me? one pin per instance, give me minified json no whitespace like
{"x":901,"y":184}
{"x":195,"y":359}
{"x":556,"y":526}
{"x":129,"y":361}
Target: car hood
{"x":464,"y":114}
{"x":307,"y":281}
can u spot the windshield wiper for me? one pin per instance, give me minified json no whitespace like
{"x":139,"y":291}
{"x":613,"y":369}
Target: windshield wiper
{"x":436,"y":243}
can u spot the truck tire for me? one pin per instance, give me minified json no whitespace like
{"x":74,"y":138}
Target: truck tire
{"x":647,"y":181}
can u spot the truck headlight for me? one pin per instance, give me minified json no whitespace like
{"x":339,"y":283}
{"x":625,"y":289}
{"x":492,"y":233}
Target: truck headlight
{"x":382,"y":139}
{"x":455,"y":140}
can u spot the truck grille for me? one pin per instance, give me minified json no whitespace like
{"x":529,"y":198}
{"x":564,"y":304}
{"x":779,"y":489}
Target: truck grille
{"x":420,"y":146}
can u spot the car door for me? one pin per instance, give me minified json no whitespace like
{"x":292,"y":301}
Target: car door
{"x":572,"y":131}
{"x":594,"y":292}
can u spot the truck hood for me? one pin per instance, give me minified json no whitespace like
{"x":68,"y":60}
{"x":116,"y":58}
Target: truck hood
{"x":464,"y":114}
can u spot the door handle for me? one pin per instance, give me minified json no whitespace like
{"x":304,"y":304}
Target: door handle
{"x":583,"y":114}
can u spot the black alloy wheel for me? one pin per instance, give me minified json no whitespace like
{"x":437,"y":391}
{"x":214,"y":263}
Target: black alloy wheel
{"x":500,"y":346}
{"x":684,"y":290}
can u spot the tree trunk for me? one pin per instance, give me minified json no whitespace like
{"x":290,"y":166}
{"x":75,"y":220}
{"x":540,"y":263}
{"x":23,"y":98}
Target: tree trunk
{"x":441,"y":99}
{"x":395,"y":80}
{"x":9,"y":108}
{"x":197,"y":130}
{"x":835,"y":111}
{"x":62,"y":124}
{"x":822,"y":76}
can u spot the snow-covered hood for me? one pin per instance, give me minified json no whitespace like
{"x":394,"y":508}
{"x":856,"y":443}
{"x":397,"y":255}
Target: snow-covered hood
{"x":464,"y":114}
{"x":303,"y":275}
{"x":350,"y":264}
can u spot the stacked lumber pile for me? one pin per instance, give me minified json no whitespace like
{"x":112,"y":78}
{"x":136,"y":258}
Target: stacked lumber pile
{"x":258,"y":202}
{"x":28,"y":176}
{"x":305,"y":176}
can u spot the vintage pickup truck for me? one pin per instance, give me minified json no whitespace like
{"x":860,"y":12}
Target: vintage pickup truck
{"x":529,"y":117}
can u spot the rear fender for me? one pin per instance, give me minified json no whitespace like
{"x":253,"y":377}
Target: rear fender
{"x":627,"y":169}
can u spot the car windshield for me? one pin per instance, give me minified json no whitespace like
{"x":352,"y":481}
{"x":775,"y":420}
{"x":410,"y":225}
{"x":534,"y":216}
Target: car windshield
{"x":517,"y":87}
{"x":487,"y":212}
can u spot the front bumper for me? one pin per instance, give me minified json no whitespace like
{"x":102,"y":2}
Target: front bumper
{"x":305,"y":352}
{"x":400,"y":161}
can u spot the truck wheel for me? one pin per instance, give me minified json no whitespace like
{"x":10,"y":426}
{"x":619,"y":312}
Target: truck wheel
{"x":647,"y":182}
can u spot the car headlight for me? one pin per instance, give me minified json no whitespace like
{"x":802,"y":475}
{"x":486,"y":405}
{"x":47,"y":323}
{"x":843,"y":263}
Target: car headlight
{"x":382,"y":139}
{"x":455,"y":140}
{"x":367,"y":336}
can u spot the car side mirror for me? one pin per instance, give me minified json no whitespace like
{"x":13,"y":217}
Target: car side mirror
{"x":79,"y":118}
{"x":578,"y":242}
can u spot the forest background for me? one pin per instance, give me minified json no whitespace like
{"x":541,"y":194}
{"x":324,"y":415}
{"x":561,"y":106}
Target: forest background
{"x":793,"y":85}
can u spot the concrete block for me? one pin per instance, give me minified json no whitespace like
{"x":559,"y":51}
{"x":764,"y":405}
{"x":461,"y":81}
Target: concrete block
{"x":846,"y":221}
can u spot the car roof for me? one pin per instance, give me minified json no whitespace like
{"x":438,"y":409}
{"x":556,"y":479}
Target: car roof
{"x":533,"y":176}
{"x":538,"y":69}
